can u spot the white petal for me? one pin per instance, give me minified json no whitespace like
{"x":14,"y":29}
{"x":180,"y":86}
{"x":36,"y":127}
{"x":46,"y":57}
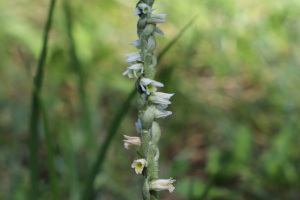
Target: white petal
{"x":137,"y":44}
{"x":159,"y":100}
{"x":157,"y":18}
{"x":162,"y":113}
{"x":163,"y":95}
{"x":146,"y":9}
{"x":136,"y":12}
{"x":133,"y":57}
{"x":136,"y":67}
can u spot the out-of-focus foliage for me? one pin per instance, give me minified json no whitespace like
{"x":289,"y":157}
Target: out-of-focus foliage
{"x":234,"y":132}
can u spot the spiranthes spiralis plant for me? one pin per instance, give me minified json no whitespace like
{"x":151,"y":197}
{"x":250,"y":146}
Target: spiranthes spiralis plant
{"x":151,"y":104}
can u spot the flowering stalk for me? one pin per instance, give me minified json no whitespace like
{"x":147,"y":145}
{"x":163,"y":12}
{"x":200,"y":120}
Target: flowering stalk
{"x":151,"y":104}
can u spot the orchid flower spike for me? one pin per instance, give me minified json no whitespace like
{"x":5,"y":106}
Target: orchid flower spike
{"x":130,"y":141}
{"x":163,"y":184}
{"x":139,"y":165}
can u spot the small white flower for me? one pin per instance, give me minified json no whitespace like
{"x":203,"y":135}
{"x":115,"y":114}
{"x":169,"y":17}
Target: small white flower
{"x":163,"y":184}
{"x":160,"y":98}
{"x":158,"y":31}
{"x":133,"y":57}
{"x":145,"y":8}
{"x":150,"y":85}
{"x":161,"y":113}
{"x":157,"y":18}
{"x":139,"y":165}
{"x":136,"y":12}
{"x":163,"y":95}
{"x":138,"y":126}
{"x":137,"y":44}
{"x":131,"y":73}
{"x":130,"y":141}
{"x":137,"y":67}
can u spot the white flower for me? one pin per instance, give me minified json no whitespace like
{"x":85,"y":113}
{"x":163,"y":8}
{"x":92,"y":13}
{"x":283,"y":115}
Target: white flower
{"x":136,"y":12}
{"x":163,"y":184}
{"x":145,"y":8}
{"x":157,"y":18}
{"x":131,"y":73}
{"x":133,"y":57}
{"x":160,"y":98}
{"x":137,"y":44}
{"x":158,"y":31}
{"x":142,"y":7}
{"x":130,"y":141}
{"x":161,"y":113}
{"x":138,"y":126}
{"x":139,"y":165}
{"x":150,"y":85}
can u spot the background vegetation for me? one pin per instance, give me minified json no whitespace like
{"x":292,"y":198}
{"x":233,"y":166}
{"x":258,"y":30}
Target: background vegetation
{"x":234,"y":132}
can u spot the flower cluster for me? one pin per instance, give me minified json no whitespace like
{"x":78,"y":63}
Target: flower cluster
{"x":156,"y":101}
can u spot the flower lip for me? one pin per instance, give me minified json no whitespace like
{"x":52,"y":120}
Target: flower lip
{"x":139,"y":165}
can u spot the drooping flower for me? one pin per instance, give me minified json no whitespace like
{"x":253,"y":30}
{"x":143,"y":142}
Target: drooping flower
{"x":160,"y":98}
{"x":149,"y":85}
{"x":159,"y":113}
{"x":133,"y":57}
{"x":139,"y":165}
{"x":130,"y":141}
{"x":157,"y":18}
{"x":163,"y":184}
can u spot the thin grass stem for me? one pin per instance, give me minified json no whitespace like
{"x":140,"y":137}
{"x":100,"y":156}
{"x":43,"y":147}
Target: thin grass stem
{"x":35,"y":110}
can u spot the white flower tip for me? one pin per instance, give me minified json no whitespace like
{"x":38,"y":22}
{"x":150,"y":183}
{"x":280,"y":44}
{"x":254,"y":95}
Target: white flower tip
{"x":136,"y":12}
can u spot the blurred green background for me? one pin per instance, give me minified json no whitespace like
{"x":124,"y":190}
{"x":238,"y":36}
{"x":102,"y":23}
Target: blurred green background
{"x":234,"y":131}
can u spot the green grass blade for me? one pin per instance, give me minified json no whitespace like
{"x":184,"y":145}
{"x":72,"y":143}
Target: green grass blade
{"x":167,"y":48}
{"x":88,"y":189}
{"x":81,"y":76}
{"x":33,"y":140}
{"x":50,"y":152}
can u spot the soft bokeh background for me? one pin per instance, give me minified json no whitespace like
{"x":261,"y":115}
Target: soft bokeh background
{"x":234,"y":132}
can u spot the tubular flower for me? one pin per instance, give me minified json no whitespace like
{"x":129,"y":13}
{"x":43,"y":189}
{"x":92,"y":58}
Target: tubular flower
{"x":157,"y":18}
{"x":139,"y":165}
{"x":130,"y":141}
{"x":133,"y":70}
{"x":160,"y":98}
{"x":149,"y":85}
{"x":159,"y":113}
{"x":133,"y":57}
{"x":163,"y":184}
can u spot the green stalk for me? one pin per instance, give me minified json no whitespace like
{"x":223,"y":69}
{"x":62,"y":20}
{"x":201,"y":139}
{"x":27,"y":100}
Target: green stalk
{"x":88,"y":189}
{"x":96,"y":168}
{"x":50,"y":152}
{"x":34,"y":117}
{"x":81,"y":76}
